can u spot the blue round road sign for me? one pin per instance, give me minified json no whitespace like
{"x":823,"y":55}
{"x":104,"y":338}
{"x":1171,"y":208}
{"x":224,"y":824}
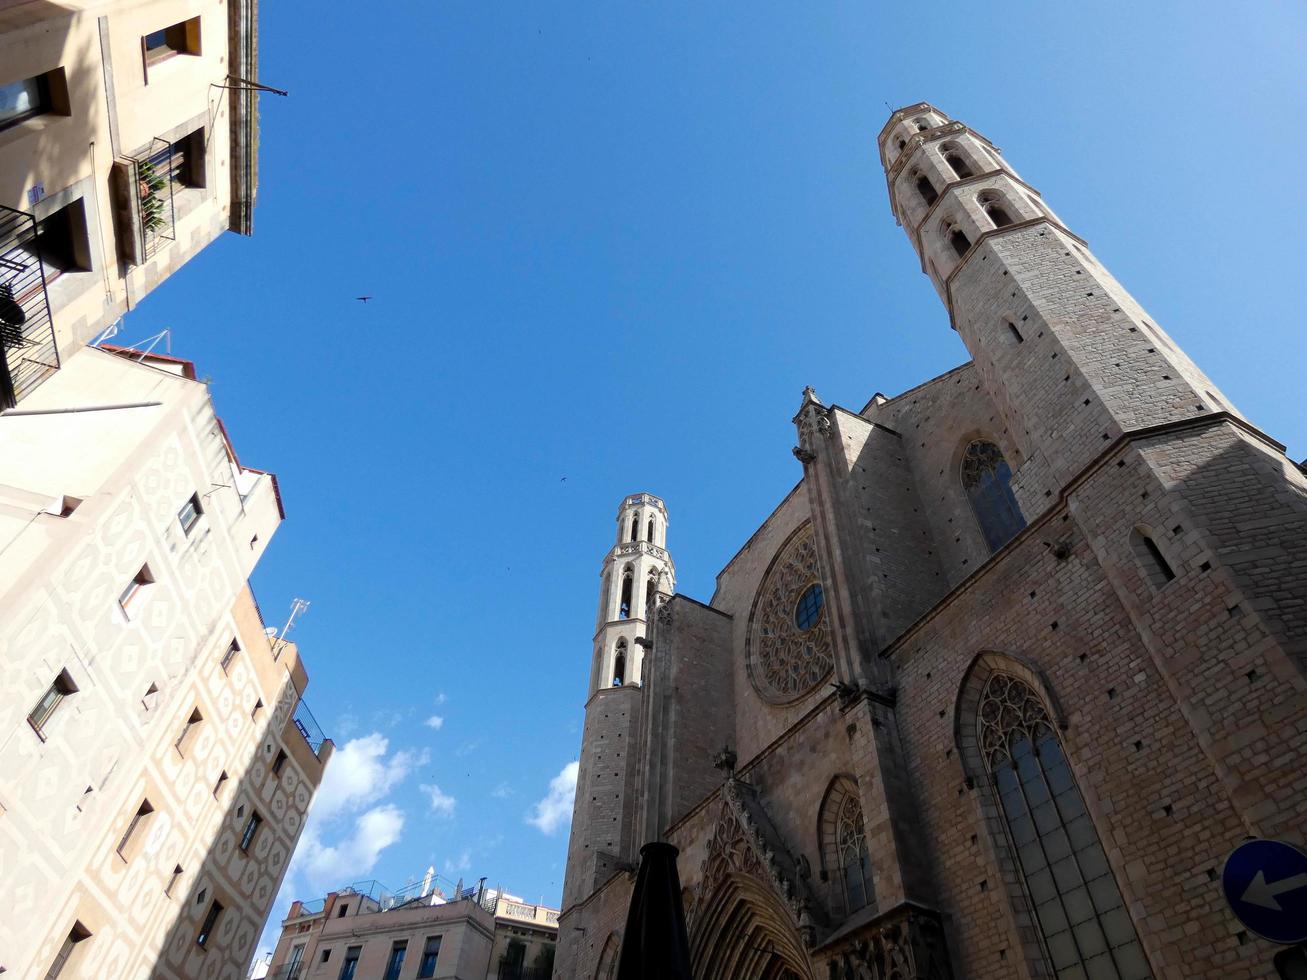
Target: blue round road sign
{"x":1265,"y":884}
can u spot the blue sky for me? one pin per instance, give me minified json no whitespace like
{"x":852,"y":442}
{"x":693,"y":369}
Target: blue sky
{"x":612,"y":243}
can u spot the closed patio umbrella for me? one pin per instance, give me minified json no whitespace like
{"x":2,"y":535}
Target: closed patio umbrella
{"x":655,"y":945}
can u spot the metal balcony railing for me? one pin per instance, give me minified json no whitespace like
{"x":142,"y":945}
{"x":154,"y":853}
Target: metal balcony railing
{"x":143,"y":195}
{"x":27,"y":348}
{"x":308,"y":727}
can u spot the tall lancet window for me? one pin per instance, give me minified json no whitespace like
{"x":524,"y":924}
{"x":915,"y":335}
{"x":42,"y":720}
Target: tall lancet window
{"x":1087,"y":931}
{"x":619,"y":664}
{"x":649,"y":533}
{"x":987,"y":480}
{"x":635,"y":527}
{"x":846,"y":864}
{"x":624,"y":610}
{"x":650,"y":596}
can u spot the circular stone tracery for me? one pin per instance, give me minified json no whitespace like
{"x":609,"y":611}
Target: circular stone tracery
{"x":789,"y":646}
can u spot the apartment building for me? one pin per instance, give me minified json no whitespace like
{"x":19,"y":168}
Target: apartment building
{"x":128,"y":142}
{"x":156,"y":760}
{"x":431,"y":930}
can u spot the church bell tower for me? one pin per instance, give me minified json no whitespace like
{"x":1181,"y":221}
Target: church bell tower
{"x":637,"y":576}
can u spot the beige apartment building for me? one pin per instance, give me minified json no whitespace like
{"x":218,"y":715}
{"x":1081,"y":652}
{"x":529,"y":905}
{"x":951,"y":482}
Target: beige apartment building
{"x":156,"y":761}
{"x":423,"y":932}
{"x":128,"y":141}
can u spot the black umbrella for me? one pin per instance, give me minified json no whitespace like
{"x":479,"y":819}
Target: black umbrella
{"x":655,"y":945}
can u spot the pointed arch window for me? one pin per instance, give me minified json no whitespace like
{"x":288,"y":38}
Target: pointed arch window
{"x":954,"y":159}
{"x":650,"y":597}
{"x":649,"y":531}
{"x":846,"y":863}
{"x":1156,"y":568}
{"x":987,"y":479}
{"x":1077,"y":903}
{"x":624,"y":610}
{"x":927,"y":190}
{"x":992,"y":205}
{"x":959,"y":240}
{"x":635,"y":527}
{"x":619,"y":664}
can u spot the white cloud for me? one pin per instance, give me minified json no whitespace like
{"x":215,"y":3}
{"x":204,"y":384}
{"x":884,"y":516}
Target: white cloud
{"x":436,"y":722}
{"x":467,"y":748}
{"x":458,"y":865}
{"x":502,"y":792}
{"x":442,"y":803}
{"x":440,"y":698}
{"x":326,"y":866}
{"x":360,"y":773}
{"x":548,"y":814}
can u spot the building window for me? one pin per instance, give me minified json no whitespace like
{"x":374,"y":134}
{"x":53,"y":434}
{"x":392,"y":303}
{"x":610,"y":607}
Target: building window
{"x":927,"y":190}
{"x":1077,"y":903}
{"x":183,"y":38}
{"x":396,"y":961}
{"x":987,"y":479}
{"x":1015,"y":333}
{"x":954,"y":159}
{"x":150,"y":699}
{"x":190,"y":513}
{"x":1156,"y":568}
{"x":619,"y":664}
{"x":344,"y":907}
{"x":635,"y":527}
{"x":624,"y":609}
{"x":293,"y":965}
{"x":254,"y":711}
{"x":76,"y":936}
{"x":192,"y":722}
{"x":31,"y":97}
{"x":135,"y":587}
{"x":649,"y":531}
{"x":992,"y":205}
{"x":808,"y":610}
{"x":278,"y":762}
{"x":959,"y":240}
{"x":326,"y":955}
{"x":430,"y":953}
{"x":175,"y":877}
{"x":251,"y":831}
{"x":351,"y":963}
{"x":229,"y":654}
{"x":61,"y":241}
{"x":650,"y":597}
{"x":217,"y":787}
{"x":129,"y":837}
{"x":45,"y":708}
{"x":209,"y":924}
{"x":845,"y":860}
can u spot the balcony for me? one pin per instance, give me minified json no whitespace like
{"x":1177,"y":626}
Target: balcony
{"x":308,"y":727}
{"x":144,"y":202}
{"x":27,"y":349}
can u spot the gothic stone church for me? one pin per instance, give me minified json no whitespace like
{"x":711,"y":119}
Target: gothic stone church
{"x":997,"y":687}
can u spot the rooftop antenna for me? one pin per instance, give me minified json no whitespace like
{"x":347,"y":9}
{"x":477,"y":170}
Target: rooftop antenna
{"x":297,"y":606}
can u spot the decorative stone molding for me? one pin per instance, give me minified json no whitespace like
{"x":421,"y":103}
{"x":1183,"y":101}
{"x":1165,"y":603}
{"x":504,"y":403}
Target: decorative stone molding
{"x":745,"y":842}
{"x":905,"y":943}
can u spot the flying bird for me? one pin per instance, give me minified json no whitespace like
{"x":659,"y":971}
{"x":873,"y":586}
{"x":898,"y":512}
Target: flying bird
{"x":362,"y":299}
{"x":563,"y":480}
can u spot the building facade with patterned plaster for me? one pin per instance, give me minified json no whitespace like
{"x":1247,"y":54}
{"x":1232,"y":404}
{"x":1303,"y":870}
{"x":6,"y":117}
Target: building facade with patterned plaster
{"x":156,"y":763}
{"x":997,"y":687}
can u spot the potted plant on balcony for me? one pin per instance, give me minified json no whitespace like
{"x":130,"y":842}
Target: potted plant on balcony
{"x":151,"y":186}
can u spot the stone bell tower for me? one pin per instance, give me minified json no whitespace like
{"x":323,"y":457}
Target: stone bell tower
{"x":637,"y":575}
{"x":1069,"y":357}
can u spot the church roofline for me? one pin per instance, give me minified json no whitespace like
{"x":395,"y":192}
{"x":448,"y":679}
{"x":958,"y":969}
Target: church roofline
{"x":745,"y":547}
{"x":915,"y":388}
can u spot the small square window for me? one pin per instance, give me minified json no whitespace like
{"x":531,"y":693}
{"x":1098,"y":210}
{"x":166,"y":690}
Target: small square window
{"x":45,"y":708}
{"x":210,"y":922}
{"x":278,"y":763}
{"x":135,"y":587}
{"x":326,"y":955}
{"x":183,"y":38}
{"x":251,"y":831}
{"x":190,"y":513}
{"x":229,"y":655}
